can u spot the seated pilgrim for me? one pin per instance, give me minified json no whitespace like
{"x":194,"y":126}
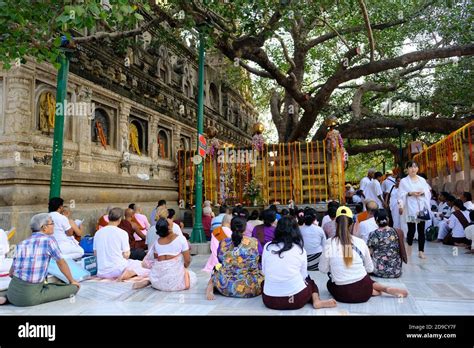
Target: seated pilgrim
{"x":168,"y":260}
{"x":218,"y":235}
{"x":63,"y":232}
{"x":112,"y":249}
{"x":238,"y":273}
{"x":30,"y":268}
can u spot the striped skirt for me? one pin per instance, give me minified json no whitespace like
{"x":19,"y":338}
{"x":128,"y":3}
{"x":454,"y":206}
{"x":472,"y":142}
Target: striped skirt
{"x":313,"y":262}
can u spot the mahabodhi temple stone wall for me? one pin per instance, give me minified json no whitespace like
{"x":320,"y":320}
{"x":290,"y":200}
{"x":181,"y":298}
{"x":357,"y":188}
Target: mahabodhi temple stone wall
{"x":155,"y":94}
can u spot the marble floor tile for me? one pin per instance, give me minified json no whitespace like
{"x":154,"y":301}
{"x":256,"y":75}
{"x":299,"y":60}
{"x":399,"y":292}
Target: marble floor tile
{"x":443,"y":284}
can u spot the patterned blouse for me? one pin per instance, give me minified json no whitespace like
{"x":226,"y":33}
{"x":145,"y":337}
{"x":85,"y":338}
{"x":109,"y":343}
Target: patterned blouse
{"x":386,"y":253}
{"x":238,"y":274}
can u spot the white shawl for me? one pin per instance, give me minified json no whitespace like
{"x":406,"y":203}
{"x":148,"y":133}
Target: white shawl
{"x":412,"y":204}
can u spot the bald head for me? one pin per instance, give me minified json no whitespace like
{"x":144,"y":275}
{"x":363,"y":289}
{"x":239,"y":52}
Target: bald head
{"x":372,"y":207}
{"x":128,"y":213}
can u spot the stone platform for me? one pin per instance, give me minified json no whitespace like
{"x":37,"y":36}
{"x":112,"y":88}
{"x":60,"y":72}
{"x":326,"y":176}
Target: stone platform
{"x":443,"y":284}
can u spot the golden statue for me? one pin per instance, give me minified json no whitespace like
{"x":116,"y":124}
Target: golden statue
{"x":47,"y":106}
{"x":133,"y":135}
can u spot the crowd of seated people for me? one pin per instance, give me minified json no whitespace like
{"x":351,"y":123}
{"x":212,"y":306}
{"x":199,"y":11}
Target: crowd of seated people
{"x":266,"y":253}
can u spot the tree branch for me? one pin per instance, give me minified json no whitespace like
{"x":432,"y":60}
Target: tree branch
{"x":381,"y":26}
{"x":261,"y":73}
{"x":369,"y":29}
{"x":366,"y":87}
{"x":354,"y":150}
{"x":285,"y":52}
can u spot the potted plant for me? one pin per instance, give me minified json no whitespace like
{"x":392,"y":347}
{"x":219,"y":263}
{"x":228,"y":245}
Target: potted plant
{"x":253,"y":190}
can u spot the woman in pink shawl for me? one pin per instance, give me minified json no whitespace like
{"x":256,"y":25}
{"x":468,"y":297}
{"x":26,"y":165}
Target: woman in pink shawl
{"x":218,"y":234}
{"x":140,"y":219}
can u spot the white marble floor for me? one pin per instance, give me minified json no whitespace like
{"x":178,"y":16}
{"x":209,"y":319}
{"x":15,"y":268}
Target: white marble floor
{"x":443,"y":284}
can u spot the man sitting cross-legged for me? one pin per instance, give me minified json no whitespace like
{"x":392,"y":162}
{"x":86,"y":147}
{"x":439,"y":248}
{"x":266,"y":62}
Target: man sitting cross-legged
{"x":30,"y":268}
{"x":112,"y":250}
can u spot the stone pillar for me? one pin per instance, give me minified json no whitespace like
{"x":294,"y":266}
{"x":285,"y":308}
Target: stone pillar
{"x":83,"y":124}
{"x":153,"y":145}
{"x":175,"y":141}
{"x":153,"y":137}
{"x":122,"y":135}
{"x":16,"y":147}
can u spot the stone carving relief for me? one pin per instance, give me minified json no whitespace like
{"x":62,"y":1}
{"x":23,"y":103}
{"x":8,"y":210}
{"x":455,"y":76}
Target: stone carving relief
{"x":18,"y":105}
{"x":46,"y":159}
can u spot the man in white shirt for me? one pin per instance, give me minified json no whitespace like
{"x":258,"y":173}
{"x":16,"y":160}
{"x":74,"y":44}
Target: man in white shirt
{"x":443,"y":228}
{"x":368,"y":226}
{"x":112,"y":249}
{"x":388,"y":183}
{"x":366,"y":181}
{"x":374,"y":190}
{"x":467,"y":200}
{"x":63,"y":232}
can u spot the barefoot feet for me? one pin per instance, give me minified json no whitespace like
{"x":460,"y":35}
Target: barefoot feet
{"x":421,"y":255}
{"x":141,"y":284}
{"x":3,"y":300}
{"x":325,"y":304}
{"x":127,"y":274}
{"x":397,"y":292}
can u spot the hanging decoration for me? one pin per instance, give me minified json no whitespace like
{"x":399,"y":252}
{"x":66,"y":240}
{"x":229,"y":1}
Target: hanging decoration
{"x":258,"y":142}
{"x":213,"y":143}
{"x":337,"y":156}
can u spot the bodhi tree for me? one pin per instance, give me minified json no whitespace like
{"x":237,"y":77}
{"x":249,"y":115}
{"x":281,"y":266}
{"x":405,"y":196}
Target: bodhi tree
{"x":310,"y":59}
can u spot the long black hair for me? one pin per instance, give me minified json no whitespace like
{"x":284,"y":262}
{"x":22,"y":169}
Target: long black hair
{"x":238,"y":225}
{"x":288,"y":233}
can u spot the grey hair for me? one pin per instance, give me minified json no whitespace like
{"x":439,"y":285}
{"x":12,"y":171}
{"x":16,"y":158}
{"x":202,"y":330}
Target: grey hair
{"x":115,"y":214}
{"x":227,"y":219}
{"x":38,"y":221}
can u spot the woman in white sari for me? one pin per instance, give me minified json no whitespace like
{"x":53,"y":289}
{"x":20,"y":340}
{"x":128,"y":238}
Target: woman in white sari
{"x":414,"y":198}
{"x":168,"y":259}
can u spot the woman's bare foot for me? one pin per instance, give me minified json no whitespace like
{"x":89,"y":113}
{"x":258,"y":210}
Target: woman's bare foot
{"x":397,"y":292}
{"x":376,"y":293}
{"x":461,"y":245}
{"x":141,"y":284}
{"x":127,"y":274}
{"x":210,"y":291}
{"x":210,"y":295}
{"x":3,"y":300}
{"x":325,"y":304}
{"x":421,"y":255}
